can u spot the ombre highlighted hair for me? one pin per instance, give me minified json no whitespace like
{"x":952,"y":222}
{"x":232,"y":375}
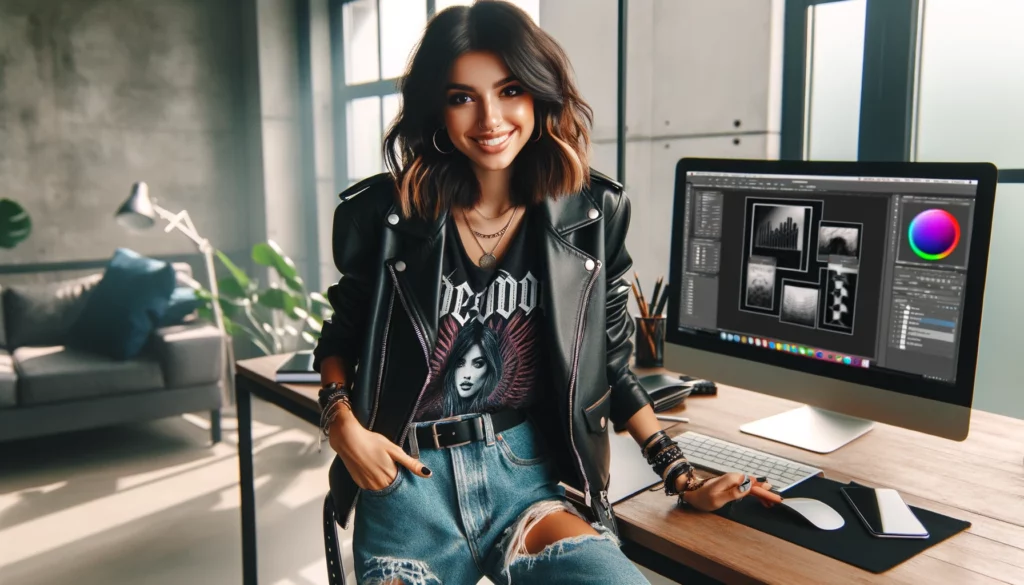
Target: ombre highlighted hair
{"x":557,"y":164}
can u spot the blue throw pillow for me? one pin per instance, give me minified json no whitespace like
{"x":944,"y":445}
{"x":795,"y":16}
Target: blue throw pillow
{"x":183,"y":302}
{"x":125,"y":307}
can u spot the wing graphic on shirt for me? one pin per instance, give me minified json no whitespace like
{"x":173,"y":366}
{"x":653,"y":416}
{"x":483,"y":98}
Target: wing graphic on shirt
{"x":447,"y":331}
{"x":518,"y":342}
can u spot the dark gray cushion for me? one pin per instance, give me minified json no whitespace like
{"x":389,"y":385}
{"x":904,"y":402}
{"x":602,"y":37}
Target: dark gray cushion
{"x":191,"y":354}
{"x":42,"y":314}
{"x":8,"y":381}
{"x":56,"y":374}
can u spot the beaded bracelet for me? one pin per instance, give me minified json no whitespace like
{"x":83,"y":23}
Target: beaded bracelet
{"x":650,"y":440}
{"x":658,"y":447}
{"x":665,"y":458}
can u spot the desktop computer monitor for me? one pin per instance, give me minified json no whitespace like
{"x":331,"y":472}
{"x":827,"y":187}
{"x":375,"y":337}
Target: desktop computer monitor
{"x":853,"y":288}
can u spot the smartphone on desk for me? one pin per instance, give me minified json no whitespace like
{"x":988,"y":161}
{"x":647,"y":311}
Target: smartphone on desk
{"x":884,"y":513}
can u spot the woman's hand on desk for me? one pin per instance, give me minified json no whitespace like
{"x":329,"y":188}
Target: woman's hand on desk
{"x":719,"y":491}
{"x":369,"y":457}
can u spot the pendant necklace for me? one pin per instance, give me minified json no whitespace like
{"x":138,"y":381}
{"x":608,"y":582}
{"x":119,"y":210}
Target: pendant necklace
{"x":487,"y":260}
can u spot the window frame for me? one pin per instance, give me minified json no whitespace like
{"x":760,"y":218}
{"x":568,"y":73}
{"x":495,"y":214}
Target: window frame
{"x":888,"y":84}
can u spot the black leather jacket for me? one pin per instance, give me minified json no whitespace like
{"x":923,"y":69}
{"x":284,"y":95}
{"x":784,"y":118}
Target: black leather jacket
{"x":386,"y":315}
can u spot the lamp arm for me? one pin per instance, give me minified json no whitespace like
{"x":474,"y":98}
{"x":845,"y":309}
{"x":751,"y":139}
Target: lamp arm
{"x":180,"y":221}
{"x":183,"y":223}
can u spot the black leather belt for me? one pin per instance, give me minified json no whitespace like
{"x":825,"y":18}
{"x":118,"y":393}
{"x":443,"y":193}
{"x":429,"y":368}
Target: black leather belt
{"x":454,"y":433}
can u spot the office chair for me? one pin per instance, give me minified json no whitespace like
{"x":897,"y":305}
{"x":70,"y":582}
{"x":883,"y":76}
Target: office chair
{"x":337,"y":549}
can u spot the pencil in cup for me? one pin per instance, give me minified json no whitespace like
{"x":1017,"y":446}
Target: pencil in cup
{"x":641,"y":323}
{"x":650,"y":345}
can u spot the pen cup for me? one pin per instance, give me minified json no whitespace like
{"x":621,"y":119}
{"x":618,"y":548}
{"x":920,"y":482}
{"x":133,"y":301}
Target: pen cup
{"x":649,"y":342}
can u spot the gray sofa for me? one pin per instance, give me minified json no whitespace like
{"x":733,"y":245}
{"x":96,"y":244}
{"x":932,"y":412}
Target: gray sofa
{"x":46,"y":388}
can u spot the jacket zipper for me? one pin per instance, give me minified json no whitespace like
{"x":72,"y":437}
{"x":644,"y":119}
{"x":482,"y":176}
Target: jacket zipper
{"x":426,"y":353}
{"x":383,"y":358}
{"x":572,"y":380}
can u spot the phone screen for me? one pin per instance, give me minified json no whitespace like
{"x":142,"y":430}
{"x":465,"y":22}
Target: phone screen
{"x":884,"y":512}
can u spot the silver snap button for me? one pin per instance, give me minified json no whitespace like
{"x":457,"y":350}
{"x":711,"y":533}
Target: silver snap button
{"x":393,"y":219}
{"x":589,"y":265}
{"x":603,"y":422}
{"x":400,"y":266}
{"x":593,"y":213}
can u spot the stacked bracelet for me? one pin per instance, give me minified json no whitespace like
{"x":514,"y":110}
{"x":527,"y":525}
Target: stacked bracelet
{"x":666,"y":458}
{"x":330,"y":398}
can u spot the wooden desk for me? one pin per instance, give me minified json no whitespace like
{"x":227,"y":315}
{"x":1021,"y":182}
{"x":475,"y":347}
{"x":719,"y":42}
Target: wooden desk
{"x":980,"y":480}
{"x":255,"y":377}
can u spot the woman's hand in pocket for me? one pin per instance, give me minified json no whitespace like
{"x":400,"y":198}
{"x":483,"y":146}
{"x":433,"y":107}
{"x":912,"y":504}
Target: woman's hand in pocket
{"x":369,"y":457}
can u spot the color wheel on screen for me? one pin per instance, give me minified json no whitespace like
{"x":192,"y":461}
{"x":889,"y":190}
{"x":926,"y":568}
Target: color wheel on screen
{"x":934,"y":234}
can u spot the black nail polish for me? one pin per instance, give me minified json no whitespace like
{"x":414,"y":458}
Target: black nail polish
{"x":426,"y":471}
{"x":762,"y":479}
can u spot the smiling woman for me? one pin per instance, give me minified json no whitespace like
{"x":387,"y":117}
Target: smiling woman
{"x":509,"y":96}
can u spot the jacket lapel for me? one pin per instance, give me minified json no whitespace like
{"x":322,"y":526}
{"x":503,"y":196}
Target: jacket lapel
{"x":567,"y":279}
{"x":419,"y":245}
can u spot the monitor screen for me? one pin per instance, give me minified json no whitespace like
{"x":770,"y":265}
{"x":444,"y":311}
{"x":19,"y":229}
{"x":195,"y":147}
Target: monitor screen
{"x":851,"y":272}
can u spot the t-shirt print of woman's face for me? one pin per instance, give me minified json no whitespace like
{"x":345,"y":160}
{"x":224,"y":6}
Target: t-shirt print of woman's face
{"x":473,"y":371}
{"x":469,"y":372}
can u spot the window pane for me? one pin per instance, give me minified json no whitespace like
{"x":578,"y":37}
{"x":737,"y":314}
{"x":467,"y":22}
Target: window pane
{"x":531,"y":7}
{"x":391,"y":105}
{"x":971,"y":82}
{"x":364,"y":137}
{"x":401,"y":26}
{"x":836,"y":41}
{"x":360,"y":31}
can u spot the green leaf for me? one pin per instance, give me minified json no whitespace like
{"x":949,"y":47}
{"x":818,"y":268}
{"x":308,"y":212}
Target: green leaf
{"x":319,"y":305}
{"x":276,"y":298}
{"x":205,"y":312}
{"x":270,"y":254}
{"x":298,"y":314}
{"x":237,"y":273}
{"x":231,"y":288}
{"x":15,"y":224}
{"x":296,"y":284}
{"x":239,"y":330}
{"x":314,"y":324}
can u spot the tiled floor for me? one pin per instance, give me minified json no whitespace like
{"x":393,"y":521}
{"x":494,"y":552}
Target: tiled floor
{"x":155,"y":504}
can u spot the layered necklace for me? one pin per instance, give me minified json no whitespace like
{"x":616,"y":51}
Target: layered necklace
{"x":487,"y":259}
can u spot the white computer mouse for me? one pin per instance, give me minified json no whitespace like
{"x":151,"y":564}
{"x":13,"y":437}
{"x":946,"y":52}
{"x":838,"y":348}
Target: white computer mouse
{"x":819,"y":514}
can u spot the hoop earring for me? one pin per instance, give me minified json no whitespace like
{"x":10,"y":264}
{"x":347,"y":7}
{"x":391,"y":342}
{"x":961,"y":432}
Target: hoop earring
{"x":540,"y":133}
{"x":438,"y":148}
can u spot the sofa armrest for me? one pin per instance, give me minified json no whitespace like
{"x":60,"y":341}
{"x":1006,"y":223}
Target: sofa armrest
{"x":190,"y":354}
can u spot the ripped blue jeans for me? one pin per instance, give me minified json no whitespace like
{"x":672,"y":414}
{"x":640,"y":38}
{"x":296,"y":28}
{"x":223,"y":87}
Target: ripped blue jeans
{"x":469,"y":519}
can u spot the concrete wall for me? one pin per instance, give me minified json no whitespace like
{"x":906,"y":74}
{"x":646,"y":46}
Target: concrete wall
{"x":704,"y":79}
{"x":97,"y":94}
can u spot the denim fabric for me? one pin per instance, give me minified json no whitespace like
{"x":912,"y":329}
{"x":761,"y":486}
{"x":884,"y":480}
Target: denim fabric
{"x":455,"y":526}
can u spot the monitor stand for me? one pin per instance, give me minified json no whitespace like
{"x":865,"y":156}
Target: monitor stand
{"x":813,"y":429}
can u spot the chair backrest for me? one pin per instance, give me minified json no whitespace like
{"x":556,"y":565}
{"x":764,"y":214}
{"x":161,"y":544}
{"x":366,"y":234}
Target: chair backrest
{"x":332,"y":546}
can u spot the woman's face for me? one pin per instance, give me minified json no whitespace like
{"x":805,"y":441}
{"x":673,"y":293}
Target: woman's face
{"x":488,"y":114}
{"x":469,"y":372}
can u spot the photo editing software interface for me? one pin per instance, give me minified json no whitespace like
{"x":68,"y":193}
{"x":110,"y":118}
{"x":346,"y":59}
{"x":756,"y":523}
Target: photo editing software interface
{"x":865,"y":272}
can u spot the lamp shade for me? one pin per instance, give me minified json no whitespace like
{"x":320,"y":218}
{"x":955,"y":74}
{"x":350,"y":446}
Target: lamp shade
{"x":137,"y":211}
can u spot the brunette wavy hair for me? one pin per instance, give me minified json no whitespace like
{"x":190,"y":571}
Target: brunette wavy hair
{"x":429,"y":181}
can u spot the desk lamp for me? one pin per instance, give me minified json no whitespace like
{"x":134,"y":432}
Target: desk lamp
{"x":139,"y":212}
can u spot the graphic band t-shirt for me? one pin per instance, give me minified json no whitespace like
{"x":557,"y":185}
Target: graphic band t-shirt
{"x":488,"y":350}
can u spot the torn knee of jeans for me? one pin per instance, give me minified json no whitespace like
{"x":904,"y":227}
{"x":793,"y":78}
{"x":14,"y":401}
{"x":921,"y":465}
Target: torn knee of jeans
{"x":392,"y":571}
{"x":515,"y":537}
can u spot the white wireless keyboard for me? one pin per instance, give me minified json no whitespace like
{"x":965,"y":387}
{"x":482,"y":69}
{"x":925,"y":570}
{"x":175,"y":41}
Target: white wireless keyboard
{"x":724,"y":457}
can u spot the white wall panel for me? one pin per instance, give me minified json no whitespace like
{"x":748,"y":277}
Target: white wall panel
{"x":712,"y":66}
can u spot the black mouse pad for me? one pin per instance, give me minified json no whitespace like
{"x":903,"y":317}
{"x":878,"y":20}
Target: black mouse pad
{"x":852,"y":543}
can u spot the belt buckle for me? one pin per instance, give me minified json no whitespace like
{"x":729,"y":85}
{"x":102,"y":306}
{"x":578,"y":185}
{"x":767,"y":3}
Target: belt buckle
{"x":436,"y":437}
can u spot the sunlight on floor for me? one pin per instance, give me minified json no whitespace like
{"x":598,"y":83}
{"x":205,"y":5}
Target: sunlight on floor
{"x":156,"y":504}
